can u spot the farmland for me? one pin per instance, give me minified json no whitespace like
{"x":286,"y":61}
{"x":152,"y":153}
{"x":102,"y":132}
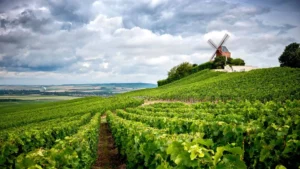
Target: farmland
{"x":105,"y":89}
{"x":232,"y":120}
{"x":171,"y":135}
{"x":44,"y":129}
{"x":263,"y":84}
{"x":37,"y":98}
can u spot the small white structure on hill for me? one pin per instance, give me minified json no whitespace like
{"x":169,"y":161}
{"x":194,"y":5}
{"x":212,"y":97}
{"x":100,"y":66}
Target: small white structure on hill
{"x":242,"y":68}
{"x":228,"y":68}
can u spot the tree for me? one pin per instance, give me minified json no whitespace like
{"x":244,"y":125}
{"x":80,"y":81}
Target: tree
{"x":237,"y":61}
{"x":219,"y":62}
{"x":184,"y":69}
{"x":290,"y":56}
{"x":180,"y":71}
{"x":177,"y":72}
{"x":172,"y":73}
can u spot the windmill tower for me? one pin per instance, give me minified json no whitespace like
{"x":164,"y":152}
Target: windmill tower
{"x":220,"y":49}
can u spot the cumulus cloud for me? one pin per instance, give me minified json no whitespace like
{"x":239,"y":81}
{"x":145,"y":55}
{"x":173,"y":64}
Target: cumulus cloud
{"x":75,"y":41}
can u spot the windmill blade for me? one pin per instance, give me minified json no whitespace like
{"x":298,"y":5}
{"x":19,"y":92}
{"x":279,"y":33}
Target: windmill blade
{"x":211,"y":58}
{"x":212,"y":44}
{"x":226,"y":36}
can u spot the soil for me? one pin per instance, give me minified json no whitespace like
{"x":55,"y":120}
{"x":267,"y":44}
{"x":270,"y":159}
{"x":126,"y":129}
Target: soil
{"x":108,"y":155}
{"x":148,"y":102}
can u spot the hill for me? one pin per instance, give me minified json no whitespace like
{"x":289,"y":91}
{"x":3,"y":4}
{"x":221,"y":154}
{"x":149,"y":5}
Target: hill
{"x":261,"y":84}
{"x":248,"y":121}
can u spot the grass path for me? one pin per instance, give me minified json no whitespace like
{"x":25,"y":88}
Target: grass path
{"x":108,"y":155}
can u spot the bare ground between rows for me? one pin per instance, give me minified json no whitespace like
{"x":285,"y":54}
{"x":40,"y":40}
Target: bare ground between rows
{"x":108,"y":155}
{"x":149,"y":102}
{"x":187,"y":102}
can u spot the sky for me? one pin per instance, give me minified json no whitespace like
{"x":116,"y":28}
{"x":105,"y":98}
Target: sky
{"x":45,"y":42}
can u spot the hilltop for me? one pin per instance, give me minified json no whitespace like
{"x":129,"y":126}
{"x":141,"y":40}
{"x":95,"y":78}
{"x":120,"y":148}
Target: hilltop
{"x":278,"y":83}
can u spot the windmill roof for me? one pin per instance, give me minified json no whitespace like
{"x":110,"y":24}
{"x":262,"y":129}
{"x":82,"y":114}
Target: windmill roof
{"x":224,"y":49}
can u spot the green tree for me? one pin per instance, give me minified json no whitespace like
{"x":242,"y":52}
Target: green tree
{"x":180,"y":71}
{"x":172,"y":73}
{"x":290,"y":56}
{"x":229,"y":60}
{"x":237,"y":61}
{"x":219,"y":62}
{"x":184,"y":69}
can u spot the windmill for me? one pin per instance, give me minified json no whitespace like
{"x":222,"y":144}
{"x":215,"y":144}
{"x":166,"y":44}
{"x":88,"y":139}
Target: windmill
{"x":220,"y":50}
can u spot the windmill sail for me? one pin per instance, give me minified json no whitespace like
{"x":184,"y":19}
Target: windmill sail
{"x":219,"y":47}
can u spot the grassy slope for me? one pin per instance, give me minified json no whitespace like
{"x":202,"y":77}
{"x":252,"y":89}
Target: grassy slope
{"x":262,"y":84}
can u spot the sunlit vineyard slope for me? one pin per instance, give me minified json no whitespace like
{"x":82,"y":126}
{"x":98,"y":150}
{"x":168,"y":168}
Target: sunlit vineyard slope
{"x":262,"y":84}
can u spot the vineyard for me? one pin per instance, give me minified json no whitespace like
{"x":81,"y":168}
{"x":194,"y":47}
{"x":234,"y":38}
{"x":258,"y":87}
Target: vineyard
{"x":276,"y":84}
{"x":55,"y":135}
{"x":209,"y":135}
{"x":224,"y":120}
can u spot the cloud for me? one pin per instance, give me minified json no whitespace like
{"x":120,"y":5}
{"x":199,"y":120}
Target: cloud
{"x":120,"y":41}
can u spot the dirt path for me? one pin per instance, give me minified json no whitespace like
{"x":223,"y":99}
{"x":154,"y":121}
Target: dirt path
{"x":108,"y":155}
{"x":148,"y":102}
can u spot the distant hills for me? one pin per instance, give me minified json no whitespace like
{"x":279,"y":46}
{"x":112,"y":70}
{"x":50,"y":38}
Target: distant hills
{"x":127,"y":85}
{"x":101,"y":89}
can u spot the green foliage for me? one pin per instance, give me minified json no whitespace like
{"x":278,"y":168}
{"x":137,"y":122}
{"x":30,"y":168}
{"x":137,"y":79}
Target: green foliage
{"x":219,"y":62}
{"x":174,"y":76}
{"x":237,"y":62}
{"x":290,"y":56}
{"x":210,"y":135}
{"x":18,"y":143}
{"x":183,"y":70}
{"x":177,"y":72}
{"x":261,"y":84}
{"x":59,"y":110}
{"x":78,"y":151}
{"x":41,"y":128}
{"x":207,"y":65}
{"x":147,"y":147}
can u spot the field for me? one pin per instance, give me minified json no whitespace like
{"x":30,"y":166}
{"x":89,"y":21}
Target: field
{"x":69,"y":126}
{"x":37,"y":98}
{"x":214,"y":120}
{"x":209,"y":135}
{"x":277,"y":84}
{"x":16,"y":103}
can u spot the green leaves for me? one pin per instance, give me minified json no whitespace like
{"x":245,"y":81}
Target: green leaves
{"x":229,"y":160}
{"x":223,"y":135}
{"x":280,"y":167}
{"x":49,"y":125}
{"x":176,"y":150}
{"x":32,"y":139}
{"x":73,"y":152}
